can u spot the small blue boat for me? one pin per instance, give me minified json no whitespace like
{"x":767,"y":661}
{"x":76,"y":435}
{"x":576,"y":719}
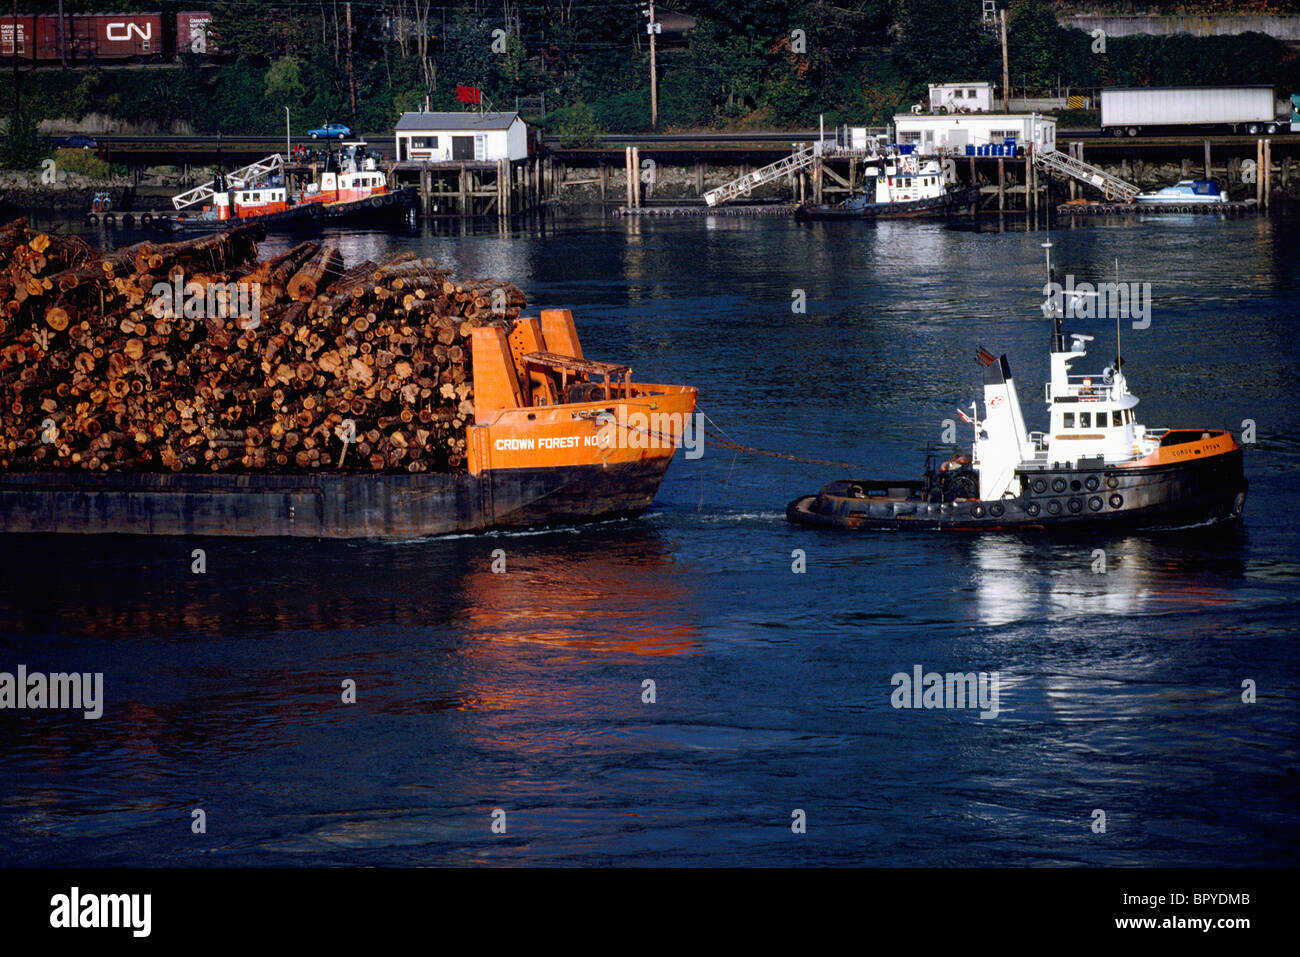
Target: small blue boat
{"x":1186,"y":192}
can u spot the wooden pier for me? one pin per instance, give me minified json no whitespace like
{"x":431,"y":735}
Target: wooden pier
{"x":469,"y":188}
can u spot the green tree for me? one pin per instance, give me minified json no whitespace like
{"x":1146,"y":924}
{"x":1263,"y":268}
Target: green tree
{"x":24,"y":147}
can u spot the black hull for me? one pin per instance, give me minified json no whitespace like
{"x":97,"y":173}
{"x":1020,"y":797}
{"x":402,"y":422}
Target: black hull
{"x":1160,"y":496}
{"x":951,"y":203}
{"x":325,"y":505}
{"x":376,"y":210}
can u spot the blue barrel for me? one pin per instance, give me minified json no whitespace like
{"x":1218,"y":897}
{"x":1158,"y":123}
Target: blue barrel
{"x":970,"y":150}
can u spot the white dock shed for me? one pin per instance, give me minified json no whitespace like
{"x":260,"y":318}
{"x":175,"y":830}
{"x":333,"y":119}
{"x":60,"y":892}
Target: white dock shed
{"x":954,"y":132}
{"x":453,"y":137}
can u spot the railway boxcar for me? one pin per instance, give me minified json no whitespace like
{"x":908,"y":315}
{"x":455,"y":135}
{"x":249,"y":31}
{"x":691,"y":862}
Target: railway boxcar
{"x":192,"y":33}
{"x":83,"y":37}
{"x":18,"y":31}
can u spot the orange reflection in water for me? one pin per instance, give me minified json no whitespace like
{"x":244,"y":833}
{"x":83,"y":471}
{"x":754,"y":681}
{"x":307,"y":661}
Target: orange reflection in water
{"x":585,"y":603}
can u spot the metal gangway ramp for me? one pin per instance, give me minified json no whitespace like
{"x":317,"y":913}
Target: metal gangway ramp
{"x":236,"y":179}
{"x":1112,"y":187}
{"x":742,"y":185}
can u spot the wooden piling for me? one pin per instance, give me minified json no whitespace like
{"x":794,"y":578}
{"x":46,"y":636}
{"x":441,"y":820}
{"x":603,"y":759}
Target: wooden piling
{"x":1208,"y":168}
{"x":1268,"y":172}
{"x":627,"y":170}
{"x":1259,"y":172}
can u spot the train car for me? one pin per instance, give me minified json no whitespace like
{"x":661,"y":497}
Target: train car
{"x":84,"y":37}
{"x":116,"y":36}
{"x":19,"y":32}
{"x":192,"y":33}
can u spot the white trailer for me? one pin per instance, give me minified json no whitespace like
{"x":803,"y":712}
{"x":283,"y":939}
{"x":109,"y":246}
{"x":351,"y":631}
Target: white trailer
{"x":1236,"y":109}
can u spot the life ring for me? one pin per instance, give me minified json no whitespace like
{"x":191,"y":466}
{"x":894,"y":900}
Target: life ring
{"x":1058,"y":484}
{"x":1116,"y":501}
{"x":1054,"y":507}
{"x":1094,"y":503}
{"x":1040,"y":486}
{"x":1112,"y":482}
{"x":1075,"y":505}
{"x":1032,"y":509}
{"x":996,"y":510}
{"x":1092,"y":484}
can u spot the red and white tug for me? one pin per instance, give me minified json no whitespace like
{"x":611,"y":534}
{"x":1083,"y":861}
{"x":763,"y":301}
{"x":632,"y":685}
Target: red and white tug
{"x":350,"y":185}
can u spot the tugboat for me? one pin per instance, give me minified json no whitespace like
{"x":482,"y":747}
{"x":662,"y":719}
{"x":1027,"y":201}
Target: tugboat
{"x":350,"y":191}
{"x":898,"y":185}
{"x":1096,"y":466}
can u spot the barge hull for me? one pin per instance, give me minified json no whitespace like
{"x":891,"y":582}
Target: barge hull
{"x":326,"y":506}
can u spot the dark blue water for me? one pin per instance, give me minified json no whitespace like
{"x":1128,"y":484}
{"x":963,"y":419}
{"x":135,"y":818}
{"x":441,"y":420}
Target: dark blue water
{"x":522,"y":691}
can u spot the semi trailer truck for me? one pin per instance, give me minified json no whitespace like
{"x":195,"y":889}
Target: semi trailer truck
{"x":1219,"y":109}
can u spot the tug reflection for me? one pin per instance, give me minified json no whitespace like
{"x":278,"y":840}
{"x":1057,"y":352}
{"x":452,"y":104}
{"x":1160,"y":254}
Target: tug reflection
{"x":1030,"y":578}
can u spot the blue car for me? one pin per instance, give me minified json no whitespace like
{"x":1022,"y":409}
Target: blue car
{"x":330,"y":131}
{"x":77,"y":142}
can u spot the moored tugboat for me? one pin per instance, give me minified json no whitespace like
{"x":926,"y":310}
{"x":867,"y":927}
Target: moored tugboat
{"x":898,"y":186}
{"x":350,"y":191}
{"x":1095,"y":466}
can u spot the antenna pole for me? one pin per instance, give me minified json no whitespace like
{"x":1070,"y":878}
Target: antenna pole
{"x":1118,"y":352}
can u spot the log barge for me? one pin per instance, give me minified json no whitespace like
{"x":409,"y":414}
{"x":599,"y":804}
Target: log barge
{"x":1095,"y":467}
{"x":380,"y":401}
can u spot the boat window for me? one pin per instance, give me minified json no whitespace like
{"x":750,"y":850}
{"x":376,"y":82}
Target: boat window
{"x":1069,"y":420}
{"x":1117,"y":418}
{"x":1085,"y":420}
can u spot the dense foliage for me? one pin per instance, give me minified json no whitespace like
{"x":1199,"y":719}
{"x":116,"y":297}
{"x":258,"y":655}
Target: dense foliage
{"x":745,"y":63}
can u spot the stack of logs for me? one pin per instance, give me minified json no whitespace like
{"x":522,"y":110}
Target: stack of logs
{"x":289,"y":364}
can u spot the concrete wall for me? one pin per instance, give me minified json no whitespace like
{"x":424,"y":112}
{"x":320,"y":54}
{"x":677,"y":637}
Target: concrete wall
{"x":1283,"y":27}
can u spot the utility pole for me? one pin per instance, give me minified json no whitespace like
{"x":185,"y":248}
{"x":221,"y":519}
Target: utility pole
{"x":352,"y":83}
{"x":1006,"y":75}
{"x":652,"y":28}
{"x":14,"y":38}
